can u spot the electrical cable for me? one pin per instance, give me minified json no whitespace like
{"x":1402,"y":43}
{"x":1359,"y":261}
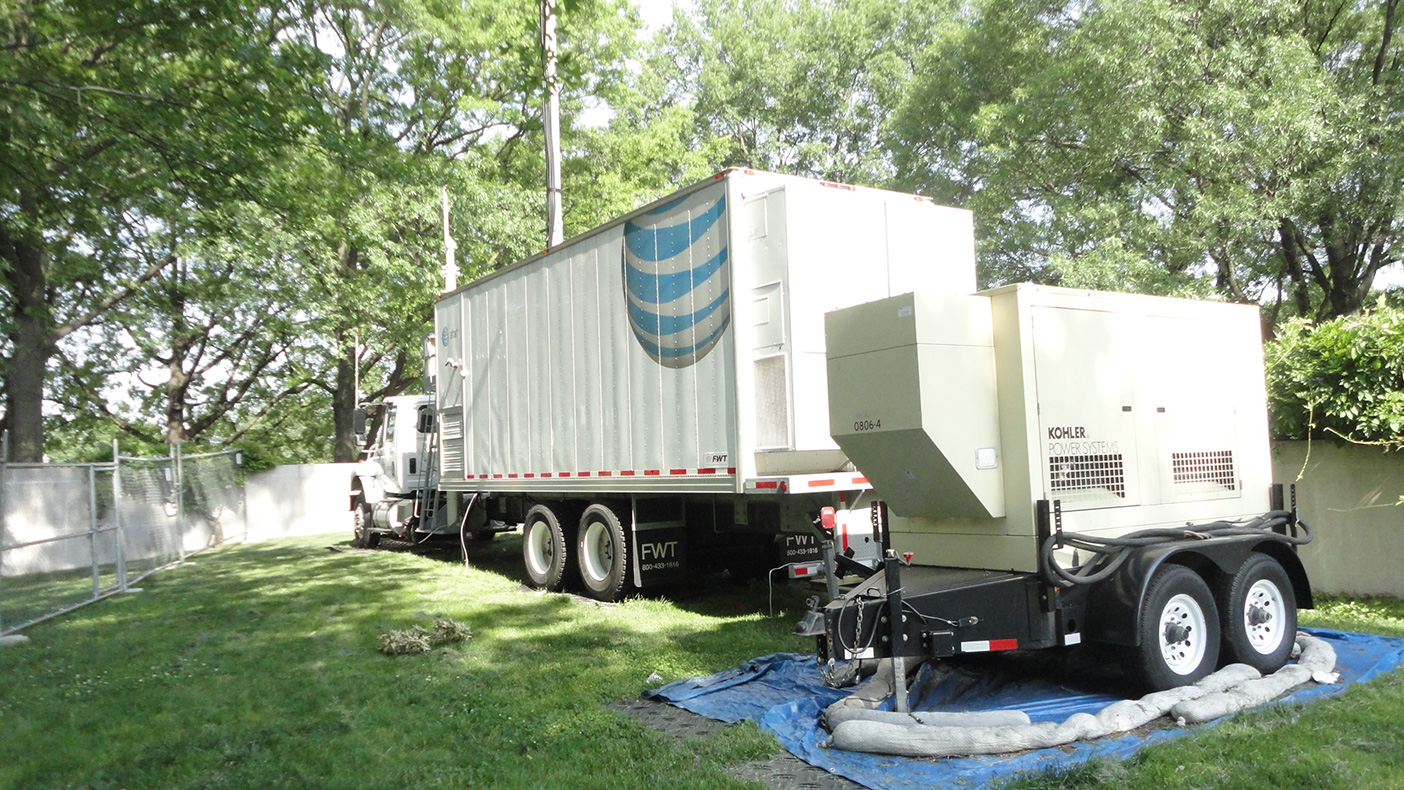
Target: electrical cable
{"x":1111,"y":553}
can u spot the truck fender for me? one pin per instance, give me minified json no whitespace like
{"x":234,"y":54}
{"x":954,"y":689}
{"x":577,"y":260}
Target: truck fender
{"x":365,"y":483}
{"x":1114,"y":604}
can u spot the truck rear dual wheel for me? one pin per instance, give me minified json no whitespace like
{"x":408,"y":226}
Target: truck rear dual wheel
{"x":1178,"y":624}
{"x":547,"y":546}
{"x":604,"y":554}
{"x":1260,"y":614}
{"x":366,"y":537}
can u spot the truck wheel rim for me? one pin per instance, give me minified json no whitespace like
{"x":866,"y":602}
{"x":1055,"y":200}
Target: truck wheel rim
{"x":539,"y":548}
{"x":1182,"y":634}
{"x":597,"y":553}
{"x":1262,"y":616}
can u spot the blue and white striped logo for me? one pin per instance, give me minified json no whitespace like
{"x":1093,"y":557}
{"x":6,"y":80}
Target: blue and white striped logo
{"x":676,"y":279}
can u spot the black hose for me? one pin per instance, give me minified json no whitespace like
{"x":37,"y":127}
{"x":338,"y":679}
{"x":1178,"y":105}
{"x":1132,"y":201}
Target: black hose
{"x":1110,"y":553}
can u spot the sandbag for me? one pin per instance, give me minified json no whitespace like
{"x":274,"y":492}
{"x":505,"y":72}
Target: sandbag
{"x":1226,"y":691}
{"x":991,"y":718}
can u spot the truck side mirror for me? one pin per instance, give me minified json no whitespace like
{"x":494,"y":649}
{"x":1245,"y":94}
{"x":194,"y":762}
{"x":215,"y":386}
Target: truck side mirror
{"x":426,"y":420}
{"x":358,"y":422}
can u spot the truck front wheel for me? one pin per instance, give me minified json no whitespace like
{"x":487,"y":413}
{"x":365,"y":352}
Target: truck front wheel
{"x":1260,"y":614}
{"x":1179,"y":631}
{"x":604,"y":554}
{"x":545,"y":549}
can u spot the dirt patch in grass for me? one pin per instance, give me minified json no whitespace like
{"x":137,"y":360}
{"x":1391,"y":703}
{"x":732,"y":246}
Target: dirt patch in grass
{"x":779,"y":772}
{"x":788,"y":772}
{"x":667,"y":719}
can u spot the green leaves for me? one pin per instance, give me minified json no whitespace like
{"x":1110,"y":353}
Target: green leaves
{"x":1342,"y":378}
{"x":1221,"y":138}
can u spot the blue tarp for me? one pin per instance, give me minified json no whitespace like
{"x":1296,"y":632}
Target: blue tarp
{"x":785,"y":694}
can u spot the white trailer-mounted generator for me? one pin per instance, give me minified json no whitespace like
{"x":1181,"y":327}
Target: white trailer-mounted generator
{"x":649,"y":398}
{"x":1065,"y":466}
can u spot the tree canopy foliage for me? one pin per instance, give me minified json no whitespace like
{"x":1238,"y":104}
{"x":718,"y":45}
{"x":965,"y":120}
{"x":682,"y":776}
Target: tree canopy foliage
{"x":217,"y":216}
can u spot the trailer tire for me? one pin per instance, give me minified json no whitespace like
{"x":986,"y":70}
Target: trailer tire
{"x":603,"y":554}
{"x":1178,"y":625}
{"x":1259,"y":612}
{"x":365,"y":534}
{"x":546,"y":548}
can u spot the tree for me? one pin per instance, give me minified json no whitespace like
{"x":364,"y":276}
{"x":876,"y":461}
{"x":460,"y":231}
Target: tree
{"x":123,"y":116}
{"x":800,"y":87}
{"x":1165,"y":144}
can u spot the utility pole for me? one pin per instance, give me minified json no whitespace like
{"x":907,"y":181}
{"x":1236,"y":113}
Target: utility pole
{"x":552,"y":120}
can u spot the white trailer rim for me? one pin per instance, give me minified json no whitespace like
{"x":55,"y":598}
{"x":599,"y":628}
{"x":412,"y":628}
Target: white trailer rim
{"x":1182,"y":632}
{"x":540,"y":547}
{"x":597,"y":551}
{"x":1263,"y":610}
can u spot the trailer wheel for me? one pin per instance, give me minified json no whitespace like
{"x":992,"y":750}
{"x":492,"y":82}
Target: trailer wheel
{"x":366,"y":537}
{"x":604,"y":554}
{"x":1178,"y":626}
{"x":545,"y":549}
{"x":1259,"y":614}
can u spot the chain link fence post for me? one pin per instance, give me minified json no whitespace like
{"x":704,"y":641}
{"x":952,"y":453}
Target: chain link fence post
{"x":4,"y":536}
{"x":179,"y":485}
{"x":117,"y":517}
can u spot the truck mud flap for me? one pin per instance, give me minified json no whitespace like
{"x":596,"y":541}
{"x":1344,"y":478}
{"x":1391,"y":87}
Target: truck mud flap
{"x":660,"y":552}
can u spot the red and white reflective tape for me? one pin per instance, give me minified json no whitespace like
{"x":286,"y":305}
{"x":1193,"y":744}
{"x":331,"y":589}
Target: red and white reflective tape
{"x":702,"y":472}
{"x":834,"y":481}
{"x":989,"y":646}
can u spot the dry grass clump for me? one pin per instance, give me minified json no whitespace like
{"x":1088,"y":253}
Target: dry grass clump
{"x":416,"y":639}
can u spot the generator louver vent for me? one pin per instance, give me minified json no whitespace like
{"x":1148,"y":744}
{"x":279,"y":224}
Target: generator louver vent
{"x":772,"y":404}
{"x":1090,"y":474}
{"x":451,"y":451}
{"x":1214,"y":466}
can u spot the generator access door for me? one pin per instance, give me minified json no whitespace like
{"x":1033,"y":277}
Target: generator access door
{"x":1085,"y":363}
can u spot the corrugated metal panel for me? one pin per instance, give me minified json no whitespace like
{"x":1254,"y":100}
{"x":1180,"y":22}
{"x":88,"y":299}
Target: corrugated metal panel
{"x":540,"y":435}
{"x":560,"y":369}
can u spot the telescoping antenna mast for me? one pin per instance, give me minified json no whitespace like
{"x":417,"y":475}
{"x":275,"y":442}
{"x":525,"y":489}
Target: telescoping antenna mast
{"x":552,"y":122}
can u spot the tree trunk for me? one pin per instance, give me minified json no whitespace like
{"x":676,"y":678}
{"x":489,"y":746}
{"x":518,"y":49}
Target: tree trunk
{"x":178,"y":385}
{"x":345,"y":448}
{"x":32,"y":344}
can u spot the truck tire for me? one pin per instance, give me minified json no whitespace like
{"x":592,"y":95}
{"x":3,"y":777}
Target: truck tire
{"x":366,"y":537}
{"x":1259,"y":612}
{"x":1178,"y":625}
{"x":546,"y":547}
{"x":603,"y":554}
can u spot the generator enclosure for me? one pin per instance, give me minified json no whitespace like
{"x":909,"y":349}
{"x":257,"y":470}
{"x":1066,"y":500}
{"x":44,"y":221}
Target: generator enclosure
{"x":1129,"y":411}
{"x":680,"y":348}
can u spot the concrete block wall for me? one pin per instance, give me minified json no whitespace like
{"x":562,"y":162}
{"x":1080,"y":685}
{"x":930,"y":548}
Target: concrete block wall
{"x":1349,"y":495}
{"x":302,"y":499}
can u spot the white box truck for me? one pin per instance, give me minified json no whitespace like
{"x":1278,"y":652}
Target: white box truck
{"x":648,"y":399}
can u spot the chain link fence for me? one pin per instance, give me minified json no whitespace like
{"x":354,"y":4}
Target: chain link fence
{"x":71,"y":534}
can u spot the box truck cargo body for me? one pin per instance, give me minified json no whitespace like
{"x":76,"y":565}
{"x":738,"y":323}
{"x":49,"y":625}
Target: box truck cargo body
{"x":680,"y":348}
{"x":673,"y":361}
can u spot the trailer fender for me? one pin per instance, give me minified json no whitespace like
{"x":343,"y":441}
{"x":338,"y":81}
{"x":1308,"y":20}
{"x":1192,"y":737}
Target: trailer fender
{"x":1114,"y":604}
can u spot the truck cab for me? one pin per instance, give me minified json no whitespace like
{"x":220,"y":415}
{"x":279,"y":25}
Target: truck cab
{"x":396,"y":477}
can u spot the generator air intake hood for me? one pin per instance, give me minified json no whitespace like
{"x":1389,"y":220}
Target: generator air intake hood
{"x":913,"y":402}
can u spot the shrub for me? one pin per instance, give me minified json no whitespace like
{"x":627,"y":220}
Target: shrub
{"x":1343,"y":378}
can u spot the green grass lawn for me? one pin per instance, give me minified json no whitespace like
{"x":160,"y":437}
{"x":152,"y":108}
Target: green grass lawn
{"x":257,"y":667}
